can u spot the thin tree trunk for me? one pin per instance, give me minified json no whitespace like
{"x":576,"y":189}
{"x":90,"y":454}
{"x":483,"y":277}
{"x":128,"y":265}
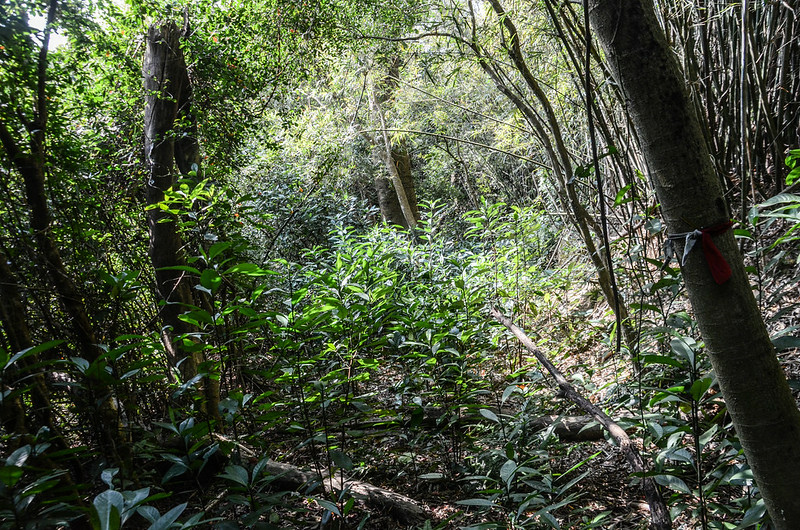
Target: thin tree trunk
{"x":753,"y":384}
{"x":395,"y":159}
{"x":548,"y":131}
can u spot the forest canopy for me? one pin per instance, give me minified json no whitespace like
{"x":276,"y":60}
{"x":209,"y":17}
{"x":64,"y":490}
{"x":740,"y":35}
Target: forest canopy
{"x":400,"y":264}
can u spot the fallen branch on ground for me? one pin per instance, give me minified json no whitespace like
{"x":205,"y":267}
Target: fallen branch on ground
{"x":402,"y":508}
{"x":658,"y":509}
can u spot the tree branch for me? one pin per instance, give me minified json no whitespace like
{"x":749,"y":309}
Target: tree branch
{"x":658,"y":510}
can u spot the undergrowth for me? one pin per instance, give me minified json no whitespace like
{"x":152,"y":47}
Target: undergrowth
{"x":371,"y":356}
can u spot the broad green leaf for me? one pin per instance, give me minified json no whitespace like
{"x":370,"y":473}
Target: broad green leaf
{"x":32,"y":351}
{"x":489,"y":415}
{"x":217,"y":248}
{"x":108,"y":509}
{"x":674,"y":483}
{"x":682,"y":349}
{"x":148,"y":512}
{"x":211,"y":280}
{"x":753,"y":515}
{"x":166,"y":520}
{"x":507,"y":470}
{"x":341,"y":460}
{"x":107,"y":476}
{"x":700,"y":387}
{"x":19,"y":456}
{"x":236,"y":474}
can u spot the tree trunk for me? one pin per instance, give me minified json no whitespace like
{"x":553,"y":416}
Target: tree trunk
{"x":757,"y":395}
{"x":391,"y":212}
{"x":168,"y":99}
{"x":398,"y":202}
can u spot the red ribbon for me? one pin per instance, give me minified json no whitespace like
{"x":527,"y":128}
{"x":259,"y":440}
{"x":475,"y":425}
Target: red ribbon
{"x":720,"y":269}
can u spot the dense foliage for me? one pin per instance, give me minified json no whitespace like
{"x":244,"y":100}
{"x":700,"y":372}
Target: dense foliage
{"x":341,"y":344}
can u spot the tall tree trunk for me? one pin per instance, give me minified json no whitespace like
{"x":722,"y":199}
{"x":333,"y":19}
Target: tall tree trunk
{"x":168,"y":100}
{"x":757,"y":395}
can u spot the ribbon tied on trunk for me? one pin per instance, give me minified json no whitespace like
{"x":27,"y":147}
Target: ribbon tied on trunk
{"x":720,"y":269}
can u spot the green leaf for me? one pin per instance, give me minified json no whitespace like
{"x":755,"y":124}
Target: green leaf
{"x":248,"y":269}
{"x":166,"y":520}
{"x":793,"y":175}
{"x":682,"y":349}
{"x":620,"y":198}
{"x":753,"y":515}
{"x":184,"y":268}
{"x":654,"y":226}
{"x":32,"y":351}
{"x":328,"y":505}
{"x":148,"y":512}
{"x":19,"y":456}
{"x":508,"y":470}
{"x":489,"y":415}
{"x":786,"y":342}
{"x":700,"y":387}
{"x":107,"y":476}
{"x":10,"y":475}
{"x":661,"y":359}
{"x":217,"y":248}
{"x":510,"y":389}
{"x":236,"y":474}
{"x":672,"y":482}
{"x":781,"y":198}
{"x":108,"y":508}
{"x":478,"y":502}
{"x":210,"y":279}
{"x":341,"y":460}
{"x":431,"y":476}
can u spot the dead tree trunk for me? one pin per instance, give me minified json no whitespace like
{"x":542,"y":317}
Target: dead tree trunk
{"x":170,"y":139}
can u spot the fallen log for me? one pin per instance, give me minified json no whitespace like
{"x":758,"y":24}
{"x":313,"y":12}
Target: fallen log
{"x":403,"y":509}
{"x":289,"y":477}
{"x":660,"y":518}
{"x":567,"y":428}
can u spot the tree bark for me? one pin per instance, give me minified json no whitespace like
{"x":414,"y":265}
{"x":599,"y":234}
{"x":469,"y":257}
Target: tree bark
{"x":168,"y":102}
{"x":398,"y":203}
{"x":753,"y":384}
